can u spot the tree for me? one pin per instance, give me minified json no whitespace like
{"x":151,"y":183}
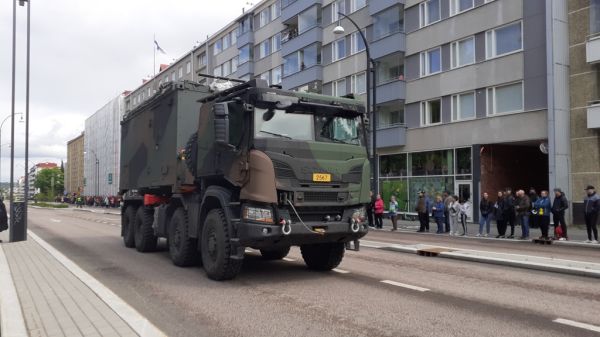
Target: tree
{"x":62,"y":166}
{"x":50,"y":181}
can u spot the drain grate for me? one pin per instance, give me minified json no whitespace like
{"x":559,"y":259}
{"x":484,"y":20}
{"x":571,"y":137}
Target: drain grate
{"x":433,"y":251}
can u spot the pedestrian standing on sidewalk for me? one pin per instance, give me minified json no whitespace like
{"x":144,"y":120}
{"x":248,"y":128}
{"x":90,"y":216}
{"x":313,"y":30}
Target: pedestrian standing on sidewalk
{"x":454,"y":212}
{"x":523,"y":210}
{"x":591,"y":208}
{"x":3,"y":216}
{"x":485,"y":208}
{"x":465,"y":206}
{"x":509,"y":211}
{"x":559,"y":206}
{"x":438,"y":210}
{"x":534,"y":218}
{"x":379,"y":208}
{"x":541,"y":207}
{"x":394,"y":212}
{"x":421,"y":209}
{"x":499,"y":215}
{"x":447,"y":202}
{"x":428,"y":205}
{"x":370,"y":207}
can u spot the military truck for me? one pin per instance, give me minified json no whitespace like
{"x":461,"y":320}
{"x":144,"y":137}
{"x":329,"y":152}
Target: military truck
{"x":254,"y":166}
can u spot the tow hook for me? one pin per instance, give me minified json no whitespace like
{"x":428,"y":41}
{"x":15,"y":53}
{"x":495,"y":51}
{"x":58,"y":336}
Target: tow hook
{"x":354,"y":226}
{"x":286,"y":227}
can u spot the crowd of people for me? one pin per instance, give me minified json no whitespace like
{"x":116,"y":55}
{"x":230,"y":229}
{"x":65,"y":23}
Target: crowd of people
{"x":92,"y":201}
{"x":528,"y":210}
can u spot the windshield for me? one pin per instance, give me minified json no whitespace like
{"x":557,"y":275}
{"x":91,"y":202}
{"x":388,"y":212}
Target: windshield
{"x":301,"y":126}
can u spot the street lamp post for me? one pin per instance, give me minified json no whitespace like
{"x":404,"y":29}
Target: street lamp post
{"x":1,"y":125}
{"x":26,"y":192}
{"x":371,"y":98}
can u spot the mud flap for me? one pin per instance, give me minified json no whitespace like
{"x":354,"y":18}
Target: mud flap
{"x":353,"y":245}
{"x":238,"y":252}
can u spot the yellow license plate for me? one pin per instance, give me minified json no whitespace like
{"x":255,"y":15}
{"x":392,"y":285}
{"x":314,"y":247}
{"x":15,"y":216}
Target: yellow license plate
{"x":322,"y":177}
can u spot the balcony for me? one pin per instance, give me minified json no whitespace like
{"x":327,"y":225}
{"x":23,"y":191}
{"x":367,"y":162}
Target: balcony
{"x":294,"y":8}
{"x":245,"y":39}
{"x":391,"y":91}
{"x":593,"y":115}
{"x":314,"y":73}
{"x":379,"y":5}
{"x":388,"y":45}
{"x":391,"y":136}
{"x":292,"y":42}
{"x":244,"y":69}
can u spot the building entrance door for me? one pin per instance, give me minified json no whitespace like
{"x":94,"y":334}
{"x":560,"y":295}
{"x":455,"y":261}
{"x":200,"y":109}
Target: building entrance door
{"x":464,"y":190}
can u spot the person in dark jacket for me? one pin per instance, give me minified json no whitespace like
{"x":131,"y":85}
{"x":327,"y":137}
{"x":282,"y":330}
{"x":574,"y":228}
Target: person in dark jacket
{"x":523,"y":208}
{"x":541,"y":209}
{"x":559,"y":206}
{"x":3,"y":216}
{"x":447,"y":201}
{"x":534,"y":219}
{"x":591,"y":208}
{"x":509,"y":211}
{"x":421,"y":209}
{"x":500,"y":216}
{"x":370,"y":208}
{"x":485,"y":209}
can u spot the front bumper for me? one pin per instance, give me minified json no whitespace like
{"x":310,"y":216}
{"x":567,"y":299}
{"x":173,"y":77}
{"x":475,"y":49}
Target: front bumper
{"x":263,"y":236}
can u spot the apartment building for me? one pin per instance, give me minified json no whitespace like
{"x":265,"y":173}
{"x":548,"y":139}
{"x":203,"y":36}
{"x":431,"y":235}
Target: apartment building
{"x":75,"y":165}
{"x":584,"y":47}
{"x":472,"y":95}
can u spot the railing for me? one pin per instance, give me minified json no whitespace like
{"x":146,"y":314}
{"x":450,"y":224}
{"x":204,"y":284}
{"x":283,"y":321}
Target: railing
{"x":289,"y":34}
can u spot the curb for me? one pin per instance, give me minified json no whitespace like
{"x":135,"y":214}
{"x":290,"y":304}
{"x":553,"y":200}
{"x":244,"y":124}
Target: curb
{"x":12,"y":323}
{"x":577,"y":244}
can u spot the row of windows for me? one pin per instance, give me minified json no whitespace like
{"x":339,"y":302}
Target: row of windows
{"x":272,"y":76}
{"x":269,"y":46}
{"x":227,"y":68}
{"x":430,"y":11}
{"x":269,"y":14}
{"x":498,"y":42}
{"x":339,"y":50}
{"x":358,"y":85}
{"x":500,"y":99}
{"x":230,"y":39}
{"x":339,"y":6}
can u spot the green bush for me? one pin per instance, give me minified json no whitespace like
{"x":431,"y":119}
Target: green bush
{"x":45,"y":204}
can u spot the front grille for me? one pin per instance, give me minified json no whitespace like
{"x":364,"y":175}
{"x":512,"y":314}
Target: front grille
{"x":321,"y":196}
{"x":310,"y":214}
{"x":283,"y":170}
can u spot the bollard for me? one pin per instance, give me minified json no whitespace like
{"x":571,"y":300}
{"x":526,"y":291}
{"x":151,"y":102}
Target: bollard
{"x":18,"y":229}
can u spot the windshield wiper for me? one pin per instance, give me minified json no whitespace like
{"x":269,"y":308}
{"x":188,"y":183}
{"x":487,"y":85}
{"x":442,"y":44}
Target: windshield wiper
{"x":275,"y":134}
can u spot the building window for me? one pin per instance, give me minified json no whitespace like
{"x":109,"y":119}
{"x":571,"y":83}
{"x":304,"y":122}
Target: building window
{"x":338,"y":6}
{"x":266,"y":76}
{"x":338,"y":49}
{"x":265,"y":48}
{"x":233,"y":37}
{"x":463,"y":106}
{"x":149,"y":92}
{"x":359,"y":83}
{"x":357,"y":4}
{"x":459,"y":6}
{"x":244,"y":26}
{"x":431,"y":61}
{"x":463,"y":160}
{"x":431,"y":112}
{"x":234,"y":64}
{"x":275,"y":10}
{"x":245,"y":54}
{"x":503,"y":99}
{"x":217,"y":47}
{"x":264,"y":17}
{"x":302,"y":59}
{"x":390,"y":114}
{"x":166,"y":79}
{"x":357,"y":44}
{"x":390,"y":68}
{"x":276,"y":75}
{"x":503,"y":40}
{"x":429,"y":12}
{"x":226,"y":68}
{"x":276,"y":42}
{"x":339,"y":87}
{"x":388,"y":22}
{"x":217,"y":71}
{"x":188,"y":67}
{"x":308,"y":19}
{"x":226,"y":42}
{"x":462,"y":52}
{"x":594,"y":17}
{"x":173,"y":76}
{"x":202,"y":59}
{"x":180,"y":72}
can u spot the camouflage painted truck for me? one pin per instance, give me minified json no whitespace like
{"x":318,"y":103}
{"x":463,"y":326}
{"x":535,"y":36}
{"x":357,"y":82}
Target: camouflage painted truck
{"x":249,"y":166}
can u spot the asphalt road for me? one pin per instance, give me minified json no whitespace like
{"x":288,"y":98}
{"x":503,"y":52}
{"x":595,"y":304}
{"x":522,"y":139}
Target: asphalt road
{"x":427,"y":296}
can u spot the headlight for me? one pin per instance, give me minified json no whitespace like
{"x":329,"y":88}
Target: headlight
{"x":258,"y":214}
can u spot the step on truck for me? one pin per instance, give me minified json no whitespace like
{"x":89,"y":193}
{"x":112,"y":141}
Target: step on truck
{"x":217,"y":171}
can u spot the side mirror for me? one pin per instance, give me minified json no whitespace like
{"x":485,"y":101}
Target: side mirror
{"x":221,"y":114}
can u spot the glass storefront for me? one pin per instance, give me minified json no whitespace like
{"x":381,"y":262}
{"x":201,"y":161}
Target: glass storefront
{"x":405,"y":174}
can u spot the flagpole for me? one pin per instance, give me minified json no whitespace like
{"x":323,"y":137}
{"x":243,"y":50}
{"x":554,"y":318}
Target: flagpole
{"x":154,"y":49}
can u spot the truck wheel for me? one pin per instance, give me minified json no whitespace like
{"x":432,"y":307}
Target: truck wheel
{"x":275,"y":254}
{"x":127,"y":227}
{"x":145,"y":240}
{"x":216,"y":248}
{"x":182,"y":248}
{"x":324,"y":256}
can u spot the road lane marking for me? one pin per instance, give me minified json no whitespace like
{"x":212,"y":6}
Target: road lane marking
{"x":140,"y":324}
{"x":288,"y":259}
{"x":55,"y":220}
{"x":341,"y":271}
{"x":577,"y":324}
{"x":404,"y":285}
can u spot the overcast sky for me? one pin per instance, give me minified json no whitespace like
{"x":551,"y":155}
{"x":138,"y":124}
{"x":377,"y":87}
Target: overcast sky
{"x":84,"y":53}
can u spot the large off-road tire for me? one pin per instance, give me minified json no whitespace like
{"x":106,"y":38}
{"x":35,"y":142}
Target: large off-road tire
{"x":275,"y":254}
{"x":127,"y":227}
{"x":145,"y":240}
{"x":216,"y":248}
{"x":182,"y":248}
{"x":191,"y":150}
{"x":323,"y":256}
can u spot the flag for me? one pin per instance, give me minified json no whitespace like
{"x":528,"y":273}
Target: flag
{"x":162,"y":51}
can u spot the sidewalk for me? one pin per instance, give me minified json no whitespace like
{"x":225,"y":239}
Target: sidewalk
{"x":57,"y":298}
